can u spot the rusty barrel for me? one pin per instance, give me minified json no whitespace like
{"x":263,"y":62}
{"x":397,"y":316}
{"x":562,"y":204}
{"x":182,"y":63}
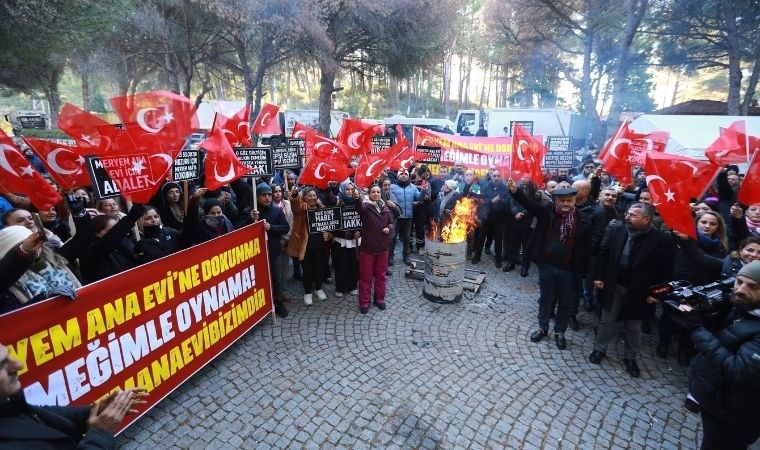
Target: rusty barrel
{"x":444,"y":271}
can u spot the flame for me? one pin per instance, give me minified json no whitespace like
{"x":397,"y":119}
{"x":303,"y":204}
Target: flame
{"x":461,"y":223}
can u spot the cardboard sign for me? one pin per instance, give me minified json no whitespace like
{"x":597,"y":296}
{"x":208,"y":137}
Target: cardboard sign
{"x":323,"y":219}
{"x":152,"y":326}
{"x":558,"y":153}
{"x":350,"y":218}
{"x":433,"y":152}
{"x":111,"y":175}
{"x":527,"y":124}
{"x":187,"y":165}
{"x":286,"y":157}
{"x":300,"y":143}
{"x":380,"y":143}
{"x":257,"y":158}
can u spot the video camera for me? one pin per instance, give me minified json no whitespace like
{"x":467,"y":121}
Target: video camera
{"x":708,"y":301}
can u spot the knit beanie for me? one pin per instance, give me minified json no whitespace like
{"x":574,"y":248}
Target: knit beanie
{"x":12,"y":236}
{"x":751,"y":271}
{"x":210,"y":203}
{"x":263,"y":188}
{"x":452,"y":184}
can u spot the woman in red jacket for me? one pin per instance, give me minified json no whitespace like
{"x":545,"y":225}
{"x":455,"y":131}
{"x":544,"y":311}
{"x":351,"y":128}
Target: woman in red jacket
{"x":377,"y":227}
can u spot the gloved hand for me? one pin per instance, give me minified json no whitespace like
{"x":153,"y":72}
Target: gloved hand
{"x":76,"y":205}
{"x":136,"y":212}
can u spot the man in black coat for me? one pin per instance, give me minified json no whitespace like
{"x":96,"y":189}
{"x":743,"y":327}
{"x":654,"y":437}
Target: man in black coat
{"x":560,"y":246}
{"x":496,"y":201}
{"x":725,"y":373}
{"x":58,"y":427}
{"x":633,"y":257}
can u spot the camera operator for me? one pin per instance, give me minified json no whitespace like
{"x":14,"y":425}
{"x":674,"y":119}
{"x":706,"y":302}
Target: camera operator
{"x":725,"y":373}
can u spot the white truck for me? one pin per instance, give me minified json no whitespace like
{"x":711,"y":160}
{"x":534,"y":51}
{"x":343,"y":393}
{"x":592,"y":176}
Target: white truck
{"x":544,"y":122}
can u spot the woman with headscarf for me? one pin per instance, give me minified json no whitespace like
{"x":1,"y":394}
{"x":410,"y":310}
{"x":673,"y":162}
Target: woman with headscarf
{"x":344,"y":244}
{"x":30,"y":271}
{"x":278,"y":199}
{"x":212,"y":223}
{"x":307,"y":247}
{"x":171,"y":206}
{"x":156,"y":240}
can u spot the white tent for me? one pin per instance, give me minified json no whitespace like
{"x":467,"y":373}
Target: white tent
{"x":690,"y":135}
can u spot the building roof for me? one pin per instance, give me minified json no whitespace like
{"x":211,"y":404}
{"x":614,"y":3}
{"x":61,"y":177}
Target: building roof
{"x":701,"y":108}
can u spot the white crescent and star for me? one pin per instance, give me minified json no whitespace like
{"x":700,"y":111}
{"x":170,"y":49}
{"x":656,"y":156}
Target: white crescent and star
{"x":4,"y":161}
{"x":353,"y":139}
{"x":265,"y":119}
{"x":317,"y":171}
{"x":694,"y":169}
{"x":651,"y":178}
{"x":28,"y":171}
{"x":519,"y":149}
{"x":53,"y":162}
{"x":140,"y":119}
{"x":406,"y":163}
{"x":615,"y":144}
{"x":370,"y":168}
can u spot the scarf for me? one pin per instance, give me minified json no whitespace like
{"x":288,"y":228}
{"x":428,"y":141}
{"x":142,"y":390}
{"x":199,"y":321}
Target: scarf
{"x":567,"y":226}
{"x":625,"y":258}
{"x":178,"y":212}
{"x":379,"y":204}
{"x":753,"y":227}
{"x":709,"y":243}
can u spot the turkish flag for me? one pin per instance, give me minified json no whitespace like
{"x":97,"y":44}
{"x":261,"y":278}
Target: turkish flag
{"x":670,"y":194}
{"x":19,"y":177}
{"x":749,"y":192}
{"x":267,"y":122}
{"x":702,"y":175}
{"x":402,"y":154}
{"x":730,"y":147}
{"x":616,"y":155}
{"x":527,"y":154}
{"x":236,"y":128}
{"x":320,"y":171}
{"x":356,"y":134}
{"x":157,"y":119}
{"x":370,"y":166}
{"x":65,"y":164}
{"x":300,"y":131}
{"x":325,"y":147}
{"x":221,"y":157}
{"x":643,"y":143}
{"x":91,"y":132}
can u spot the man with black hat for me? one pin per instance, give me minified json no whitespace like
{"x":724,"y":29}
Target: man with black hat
{"x":725,"y":373}
{"x":276,"y":225}
{"x":559,"y":246}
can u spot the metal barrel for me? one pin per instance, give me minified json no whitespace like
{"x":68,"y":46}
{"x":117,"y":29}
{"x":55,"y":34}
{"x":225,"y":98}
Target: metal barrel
{"x":444,"y":271}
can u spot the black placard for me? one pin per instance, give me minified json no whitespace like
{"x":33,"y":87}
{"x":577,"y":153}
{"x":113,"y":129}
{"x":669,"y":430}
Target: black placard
{"x":187,"y":165}
{"x":300,"y":143}
{"x":433,"y":152}
{"x":380,"y":143}
{"x":558,"y":154}
{"x":527,"y":124}
{"x":350,"y":218}
{"x":323,"y":219}
{"x":286,"y":157}
{"x":257,"y":158}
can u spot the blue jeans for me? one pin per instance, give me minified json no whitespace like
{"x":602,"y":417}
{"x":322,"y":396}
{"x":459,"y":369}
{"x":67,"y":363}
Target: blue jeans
{"x":555,"y":282}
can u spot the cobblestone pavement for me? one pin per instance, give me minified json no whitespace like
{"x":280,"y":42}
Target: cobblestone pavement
{"x":422,"y":375}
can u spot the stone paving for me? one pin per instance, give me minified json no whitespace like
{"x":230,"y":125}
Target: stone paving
{"x":422,"y":375}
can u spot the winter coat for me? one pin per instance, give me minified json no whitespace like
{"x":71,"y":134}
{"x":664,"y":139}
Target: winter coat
{"x":651,"y":263}
{"x":278,"y":226}
{"x":114,"y":252}
{"x":725,"y":371}
{"x":373,"y":221}
{"x":164,"y":243}
{"x":299,"y":233}
{"x":406,"y":196}
{"x":501,"y":207}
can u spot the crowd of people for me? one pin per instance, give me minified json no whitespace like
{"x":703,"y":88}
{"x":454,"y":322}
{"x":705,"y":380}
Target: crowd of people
{"x":579,"y":230}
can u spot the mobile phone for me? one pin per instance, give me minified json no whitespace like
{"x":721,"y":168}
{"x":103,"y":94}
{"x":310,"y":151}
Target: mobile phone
{"x":38,"y":224}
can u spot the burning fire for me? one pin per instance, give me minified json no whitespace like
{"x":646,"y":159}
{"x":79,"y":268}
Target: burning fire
{"x":459,"y":225}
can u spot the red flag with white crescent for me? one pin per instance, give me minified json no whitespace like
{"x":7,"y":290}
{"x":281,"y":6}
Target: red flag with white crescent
{"x":65,"y":164}
{"x":670,"y":195}
{"x":19,"y":177}
{"x":157,"y":119}
{"x":267,"y":122}
{"x":749,"y":192}
{"x":320,"y":171}
{"x":221,"y":165}
{"x":616,"y":155}
{"x":370,"y":166}
{"x":731,"y":145}
{"x":356,"y":134}
{"x":92,"y":133}
{"x":527,"y":154}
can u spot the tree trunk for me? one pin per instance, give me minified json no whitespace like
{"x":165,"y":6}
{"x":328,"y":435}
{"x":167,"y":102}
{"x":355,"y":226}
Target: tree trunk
{"x":751,"y":86}
{"x":326,"y":89}
{"x":240,"y":51}
{"x":636,"y":10}
{"x":53,"y":94}
{"x":468,"y":77}
{"x":734,"y":59}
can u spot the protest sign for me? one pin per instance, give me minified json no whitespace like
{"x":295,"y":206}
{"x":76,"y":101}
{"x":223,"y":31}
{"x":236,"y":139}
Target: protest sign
{"x":112,"y":175}
{"x":323,"y":219}
{"x":257,"y":158}
{"x":301,"y":144}
{"x":433,"y":152}
{"x":380,"y":143}
{"x":187,"y":165}
{"x":350,"y":218}
{"x":286,"y":157}
{"x":152,"y":326}
{"x":558,"y":153}
{"x":526,"y":124}
{"x":474,"y":152}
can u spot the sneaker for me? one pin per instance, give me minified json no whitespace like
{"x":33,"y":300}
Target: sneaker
{"x":280,"y":310}
{"x":538,"y":335}
{"x":596,"y":357}
{"x":691,"y":405}
{"x":338,"y":294}
{"x":321,"y":295}
{"x":559,"y":339}
{"x":632,"y":368}
{"x":307,"y":299}
{"x":354,"y":292}
{"x":380,"y":306}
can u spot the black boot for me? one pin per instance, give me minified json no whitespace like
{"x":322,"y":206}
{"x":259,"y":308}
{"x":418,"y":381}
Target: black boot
{"x":280,"y":309}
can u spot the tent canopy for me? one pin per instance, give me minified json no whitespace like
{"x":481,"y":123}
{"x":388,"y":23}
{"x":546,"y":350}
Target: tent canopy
{"x":691,"y":135}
